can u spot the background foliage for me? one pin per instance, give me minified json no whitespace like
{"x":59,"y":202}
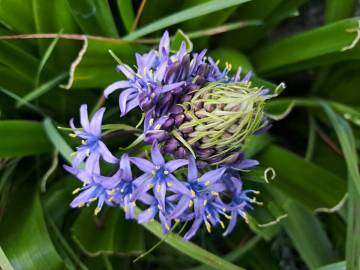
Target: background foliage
{"x":310,"y":217}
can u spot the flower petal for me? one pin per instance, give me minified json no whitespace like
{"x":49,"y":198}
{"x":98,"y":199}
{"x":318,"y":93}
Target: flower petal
{"x":106,"y":154}
{"x":125,"y":167}
{"x":115,"y":86}
{"x":156,"y":156}
{"x":192,"y":168}
{"x":84,"y":119}
{"x":159,"y":192}
{"x":194,"y":228}
{"x":143,"y":164}
{"x":173,"y":165}
{"x":213,"y":176}
{"x":95,"y":124}
{"x":147,"y":214}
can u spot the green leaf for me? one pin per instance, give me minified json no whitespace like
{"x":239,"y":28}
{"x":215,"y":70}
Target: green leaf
{"x":57,"y":140}
{"x":42,"y":89}
{"x":12,"y":10}
{"x":178,"y":39}
{"x":126,"y":11}
{"x":97,"y":67}
{"x":184,"y":15}
{"x":303,"y":181}
{"x":334,"y":266}
{"x":25,"y":239}
{"x":22,"y":138}
{"x":338,"y":9}
{"x":191,"y":249}
{"x":292,"y":53}
{"x":114,"y":234}
{"x":347,"y":142}
{"x":235,"y":58}
{"x":4,"y":261}
{"x":306,"y":233}
{"x":94,"y":17}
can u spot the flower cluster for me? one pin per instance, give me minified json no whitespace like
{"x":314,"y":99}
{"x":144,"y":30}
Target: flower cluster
{"x":197,"y":119}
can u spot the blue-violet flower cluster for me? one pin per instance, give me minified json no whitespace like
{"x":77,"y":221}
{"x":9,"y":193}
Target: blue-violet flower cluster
{"x":197,"y":119}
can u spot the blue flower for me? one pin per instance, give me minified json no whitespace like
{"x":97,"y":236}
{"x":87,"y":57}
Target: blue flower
{"x":163,"y":213}
{"x":92,"y":147}
{"x":204,"y":198}
{"x":126,"y":187}
{"x":158,"y":176}
{"x":240,"y":204}
{"x":95,"y":187}
{"x":147,"y":83}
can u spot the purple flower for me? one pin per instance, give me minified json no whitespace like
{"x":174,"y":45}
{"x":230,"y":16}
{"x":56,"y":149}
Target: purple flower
{"x":95,"y":187}
{"x":158,"y":176}
{"x":92,"y":147}
{"x":146,"y":84}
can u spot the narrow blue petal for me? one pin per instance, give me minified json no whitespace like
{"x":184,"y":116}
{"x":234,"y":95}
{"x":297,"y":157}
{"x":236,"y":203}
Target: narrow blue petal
{"x":106,"y":154}
{"x":115,"y":86}
{"x":95,"y":123}
{"x":192,"y":168}
{"x":156,"y":156}
{"x":84,"y":119}
{"x":143,"y":164}
{"x":212,"y":176}
{"x":173,"y":165}
{"x":147,"y":214}
{"x":125,"y":166}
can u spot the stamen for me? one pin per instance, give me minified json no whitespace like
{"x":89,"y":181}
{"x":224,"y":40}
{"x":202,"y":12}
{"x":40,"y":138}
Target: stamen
{"x":205,"y":202}
{"x":214,"y":193}
{"x":76,"y":191}
{"x":72,"y":135}
{"x":166,"y":172}
{"x":110,"y":199}
{"x":151,"y":121}
{"x":157,"y":167}
{"x":73,"y":154}
{"x":153,"y":172}
{"x":122,"y":190}
{"x":207,"y":183}
{"x":111,"y":192}
{"x":169,"y":184}
{"x":192,"y":193}
{"x":191,"y":203}
{"x":208,"y":226}
{"x":167,"y":227}
{"x":97,"y":211}
{"x":150,"y":185}
{"x":92,"y":199}
{"x":217,"y":62}
{"x":83,"y":141}
{"x":81,"y":205}
{"x":158,"y":188}
{"x":222,"y":224}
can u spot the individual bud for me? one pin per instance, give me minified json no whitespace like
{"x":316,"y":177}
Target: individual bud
{"x":159,"y":135}
{"x":179,"y":119}
{"x":180,"y":153}
{"x":176,"y":109}
{"x":171,"y":146}
{"x":168,"y":125}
